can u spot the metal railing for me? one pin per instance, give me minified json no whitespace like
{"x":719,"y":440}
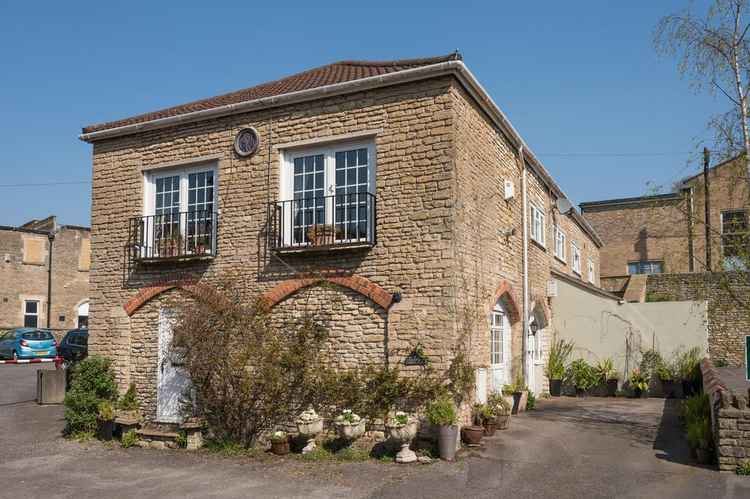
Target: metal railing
{"x":340,"y":220}
{"x":178,"y":235}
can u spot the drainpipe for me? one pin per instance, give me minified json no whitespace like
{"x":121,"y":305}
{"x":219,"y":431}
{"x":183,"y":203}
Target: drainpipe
{"x":525,"y":236}
{"x":707,"y":199}
{"x":51,"y":238}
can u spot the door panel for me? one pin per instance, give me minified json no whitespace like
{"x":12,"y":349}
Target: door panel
{"x":173,"y":385}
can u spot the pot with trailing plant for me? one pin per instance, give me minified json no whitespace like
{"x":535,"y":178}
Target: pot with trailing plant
{"x":638,"y":383}
{"x":280,"y":443}
{"x":105,"y":420}
{"x":484,"y":416}
{"x":581,"y":376}
{"x":607,"y":377}
{"x":501,"y":409}
{"x":441,"y":413}
{"x":555,"y":369}
{"x":402,"y":429}
{"x":349,"y":425}
{"x":309,"y":426}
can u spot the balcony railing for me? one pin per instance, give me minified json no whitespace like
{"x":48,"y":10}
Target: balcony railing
{"x":173,"y":236}
{"x":323,"y":222}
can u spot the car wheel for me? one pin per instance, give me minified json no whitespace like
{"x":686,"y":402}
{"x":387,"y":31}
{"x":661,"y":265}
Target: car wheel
{"x":15,"y":355}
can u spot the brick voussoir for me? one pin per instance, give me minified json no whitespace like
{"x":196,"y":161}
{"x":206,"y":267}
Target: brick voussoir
{"x":359,"y":284}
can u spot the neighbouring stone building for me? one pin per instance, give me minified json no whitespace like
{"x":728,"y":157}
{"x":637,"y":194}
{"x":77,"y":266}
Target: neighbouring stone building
{"x":666,"y":233}
{"x":389,"y":195}
{"x":32,"y":280}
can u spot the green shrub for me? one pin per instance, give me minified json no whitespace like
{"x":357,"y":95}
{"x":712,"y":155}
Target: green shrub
{"x":743,"y":468}
{"x":442,"y":412}
{"x":605,"y":370}
{"x":499,"y":405}
{"x":531,"y":401}
{"x":129,"y":439}
{"x":696,"y":407}
{"x":651,"y":361}
{"x":637,"y":380}
{"x":129,"y":401}
{"x":699,"y":433}
{"x":581,"y":375}
{"x":106,"y":411}
{"x":688,"y":364}
{"x":92,"y":382}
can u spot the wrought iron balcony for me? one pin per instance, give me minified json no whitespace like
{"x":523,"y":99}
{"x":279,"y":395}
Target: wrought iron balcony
{"x":323,"y":222}
{"x":173,"y":236}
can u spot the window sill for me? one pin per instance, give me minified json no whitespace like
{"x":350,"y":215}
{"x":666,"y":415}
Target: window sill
{"x":538,"y":244}
{"x":561,"y":260}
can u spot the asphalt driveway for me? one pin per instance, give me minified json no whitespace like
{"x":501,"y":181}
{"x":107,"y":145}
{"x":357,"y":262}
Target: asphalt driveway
{"x":568,"y":448}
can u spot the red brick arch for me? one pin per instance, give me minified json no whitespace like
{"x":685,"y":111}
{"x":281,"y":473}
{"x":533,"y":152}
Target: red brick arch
{"x":361,"y":285}
{"x":146,"y":294}
{"x":505,"y":291}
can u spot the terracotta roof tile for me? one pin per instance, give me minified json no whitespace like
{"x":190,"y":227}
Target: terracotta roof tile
{"x":329,"y":74}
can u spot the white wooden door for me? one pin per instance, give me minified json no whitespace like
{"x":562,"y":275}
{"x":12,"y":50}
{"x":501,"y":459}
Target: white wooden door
{"x":534,"y":360}
{"x":499,"y":348}
{"x":173,"y":385}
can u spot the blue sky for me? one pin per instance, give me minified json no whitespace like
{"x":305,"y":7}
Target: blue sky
{"x":579,"y":80}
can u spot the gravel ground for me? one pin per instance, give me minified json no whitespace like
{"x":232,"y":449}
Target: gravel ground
{"x":567,"y":448}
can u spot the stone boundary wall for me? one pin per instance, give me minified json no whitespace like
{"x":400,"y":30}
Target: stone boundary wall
{"x":728,"y":297}
{"x":730,"y":419}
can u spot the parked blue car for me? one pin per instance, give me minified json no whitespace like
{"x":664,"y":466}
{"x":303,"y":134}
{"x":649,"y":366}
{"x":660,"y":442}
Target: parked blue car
{"x":27,"y":343}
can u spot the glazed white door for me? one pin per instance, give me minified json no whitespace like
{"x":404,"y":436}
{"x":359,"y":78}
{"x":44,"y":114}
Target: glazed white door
{"x":173,"y":385}
{"x":534,"y":360}
{"x":499,"y":348}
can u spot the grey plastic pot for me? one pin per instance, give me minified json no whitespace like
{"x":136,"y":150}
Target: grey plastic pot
{"x":447,"y":437}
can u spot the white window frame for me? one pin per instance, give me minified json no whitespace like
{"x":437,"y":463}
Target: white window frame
{"x":733,"y":263}
{"x":561,"y":241}
{"x":150,"y":176}
{"x":37,"y":314}
{"x":592,"y":271}
{"x":575,"y":252}
{"x":538,"y":225}
{"x":499,"y":371}
{"x":328,"y":150}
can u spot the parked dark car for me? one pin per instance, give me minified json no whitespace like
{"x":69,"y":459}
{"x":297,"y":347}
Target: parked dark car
{"x":75,"y":345}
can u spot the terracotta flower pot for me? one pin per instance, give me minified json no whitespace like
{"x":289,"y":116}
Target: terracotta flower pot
{"x":472,"y":435}
{"x":502,"y":421}
{"x":280,"y":447}
{"x":490,"y":427}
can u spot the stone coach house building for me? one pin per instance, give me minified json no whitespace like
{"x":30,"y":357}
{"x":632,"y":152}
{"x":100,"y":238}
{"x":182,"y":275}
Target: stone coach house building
{"x":400,"y":184}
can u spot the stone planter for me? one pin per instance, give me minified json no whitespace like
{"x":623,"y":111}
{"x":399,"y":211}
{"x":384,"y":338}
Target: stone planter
{"x":308,"y":430}
{"x":350,"y":431}
{"x":503,"y":421}
{"x":403,"y":435}
{"x":472,"y":435}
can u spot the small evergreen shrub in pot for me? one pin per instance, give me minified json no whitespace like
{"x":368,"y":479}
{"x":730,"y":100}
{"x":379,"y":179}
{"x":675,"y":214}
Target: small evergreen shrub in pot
{"x":607,"y":377}
{"x":689,"y":371}
{"x":106,"y":420}
{"x":92,"y":381}
{"x":556,"y":362}
{"x":667,"y":379}
{"x":442,"y":413}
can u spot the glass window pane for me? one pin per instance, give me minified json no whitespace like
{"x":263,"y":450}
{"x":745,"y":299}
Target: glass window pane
{"x":31,"y":307}
{"x":297,"y":165}
{"x":340,"y":160}
{"x":362,"y":156}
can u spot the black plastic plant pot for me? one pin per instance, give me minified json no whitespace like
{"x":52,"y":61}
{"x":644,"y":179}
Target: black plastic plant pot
{"x":106,"y":428}
{"x":611,"y":387}
{"x":580,"y":392}
{"x":555,"y":387}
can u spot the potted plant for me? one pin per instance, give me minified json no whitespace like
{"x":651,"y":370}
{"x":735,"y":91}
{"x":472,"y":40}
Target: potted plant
{"x":556,"y":362}
{"x":106,"y":420}
{"x":442,"y":413}
{"x":280,"y":443}
{"x":402,"y":429}
{"x":322,"y":234}
{"x":309,"y":425}
{"x":667,"y":380}
{"x":519,"y":393}
{"x":689,"y":372}
{"x":349,"y":425}
{"x":699,"y":439}
{"x":607,"y":377}
{"x":502,"y":410}
{"x":484,"y":416}
{"x":638,"y":383}
{"x":581,"y":376}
